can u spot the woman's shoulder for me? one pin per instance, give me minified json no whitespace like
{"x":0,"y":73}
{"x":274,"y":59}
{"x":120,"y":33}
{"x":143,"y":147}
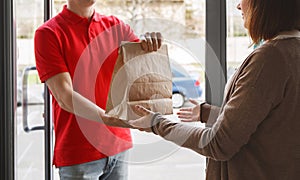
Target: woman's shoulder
{"x":270,"y":52}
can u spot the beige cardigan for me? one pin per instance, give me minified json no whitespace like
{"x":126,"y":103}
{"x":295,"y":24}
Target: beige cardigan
{"x":256,"y":133}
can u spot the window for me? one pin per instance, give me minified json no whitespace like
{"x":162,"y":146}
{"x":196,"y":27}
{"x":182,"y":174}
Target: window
{"x":237,"y":40}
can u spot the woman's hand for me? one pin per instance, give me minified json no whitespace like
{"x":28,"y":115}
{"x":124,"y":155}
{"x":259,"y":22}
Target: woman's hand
{"x":190,"y":114}
{"x":143,"y":123}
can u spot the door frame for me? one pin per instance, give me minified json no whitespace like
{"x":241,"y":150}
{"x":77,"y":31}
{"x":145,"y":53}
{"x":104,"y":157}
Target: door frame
{"x":215,"y":51}
{"x":48,"y":127}
{"x":8,"y":103}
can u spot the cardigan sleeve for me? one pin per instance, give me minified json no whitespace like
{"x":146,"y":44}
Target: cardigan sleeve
{"x":209,"y":114}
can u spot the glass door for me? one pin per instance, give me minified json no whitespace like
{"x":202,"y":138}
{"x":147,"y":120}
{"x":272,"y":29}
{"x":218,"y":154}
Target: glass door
{"x":33,"y":129}
{"x":30,"y":101}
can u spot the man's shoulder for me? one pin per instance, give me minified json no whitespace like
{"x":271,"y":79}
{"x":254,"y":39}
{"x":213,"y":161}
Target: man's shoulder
{"x":52,"y":23}
{"x":107,"y":18}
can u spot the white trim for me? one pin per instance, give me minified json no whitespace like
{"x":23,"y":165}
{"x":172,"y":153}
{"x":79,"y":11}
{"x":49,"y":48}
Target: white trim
{"x":288,"y":34}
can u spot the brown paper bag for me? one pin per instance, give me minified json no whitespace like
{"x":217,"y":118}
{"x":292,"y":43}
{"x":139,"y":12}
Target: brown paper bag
{"x":140,"y":78}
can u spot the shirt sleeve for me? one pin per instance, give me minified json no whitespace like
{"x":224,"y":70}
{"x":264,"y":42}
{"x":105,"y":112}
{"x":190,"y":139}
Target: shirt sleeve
{"x":48,"y":55}
{"x":130,"y":35}
{"x":125,"y":30}
{"x":258,"y":90}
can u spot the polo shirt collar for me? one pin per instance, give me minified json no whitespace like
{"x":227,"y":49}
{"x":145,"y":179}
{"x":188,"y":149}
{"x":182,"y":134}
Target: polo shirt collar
{"x":74,"y":18}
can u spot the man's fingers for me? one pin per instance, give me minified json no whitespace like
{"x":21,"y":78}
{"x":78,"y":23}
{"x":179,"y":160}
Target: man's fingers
{"x":151,"y":41}
{"x":159,"y":39}
{"x":144,"y":45}
{"x":143,"y":41}
{"x":154,"y":41}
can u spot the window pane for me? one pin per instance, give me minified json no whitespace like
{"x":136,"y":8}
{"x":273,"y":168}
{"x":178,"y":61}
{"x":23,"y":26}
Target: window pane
{"x":29,"y":145}
{"x":182,"y":24}
{"x":237,"y":40}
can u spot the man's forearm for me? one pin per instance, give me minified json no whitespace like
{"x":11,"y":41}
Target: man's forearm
{"x":81,"y":106}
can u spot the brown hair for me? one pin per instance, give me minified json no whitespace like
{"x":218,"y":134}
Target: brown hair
{"x":267,"y":18}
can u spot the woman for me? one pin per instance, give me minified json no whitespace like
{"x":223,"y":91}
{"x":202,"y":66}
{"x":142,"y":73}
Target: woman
{"x":255,"y":133}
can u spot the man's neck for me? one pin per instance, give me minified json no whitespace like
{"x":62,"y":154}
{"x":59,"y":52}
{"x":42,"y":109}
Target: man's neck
{"x":83,"y":11}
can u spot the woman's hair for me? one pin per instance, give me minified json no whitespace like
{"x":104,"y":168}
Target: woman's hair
{"x":267,"y":18}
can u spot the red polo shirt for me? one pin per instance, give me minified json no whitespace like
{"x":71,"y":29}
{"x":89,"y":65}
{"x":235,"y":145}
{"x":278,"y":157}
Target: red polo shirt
{"x":88,"y":51}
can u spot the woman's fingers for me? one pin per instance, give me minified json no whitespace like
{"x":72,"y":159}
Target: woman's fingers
{"x":186,"y":120}
{"x":185,"y":109}
{"x":184,"y":113}
{"x":193,"y":101}
{"x":143,"y":111}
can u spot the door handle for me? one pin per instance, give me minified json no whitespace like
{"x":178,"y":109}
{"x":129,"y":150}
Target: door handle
{"x":25,"y":101}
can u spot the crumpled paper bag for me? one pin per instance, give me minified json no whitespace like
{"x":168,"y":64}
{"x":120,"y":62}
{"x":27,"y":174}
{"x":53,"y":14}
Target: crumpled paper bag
{"x":140,"y":78}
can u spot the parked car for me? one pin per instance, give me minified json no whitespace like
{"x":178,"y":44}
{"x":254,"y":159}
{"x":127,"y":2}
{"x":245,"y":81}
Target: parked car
{"x":184,"y":86}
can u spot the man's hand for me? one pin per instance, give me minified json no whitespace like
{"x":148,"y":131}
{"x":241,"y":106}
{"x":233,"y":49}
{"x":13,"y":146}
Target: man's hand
{"x":151,"y":41}
{"x":112,"y":121}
